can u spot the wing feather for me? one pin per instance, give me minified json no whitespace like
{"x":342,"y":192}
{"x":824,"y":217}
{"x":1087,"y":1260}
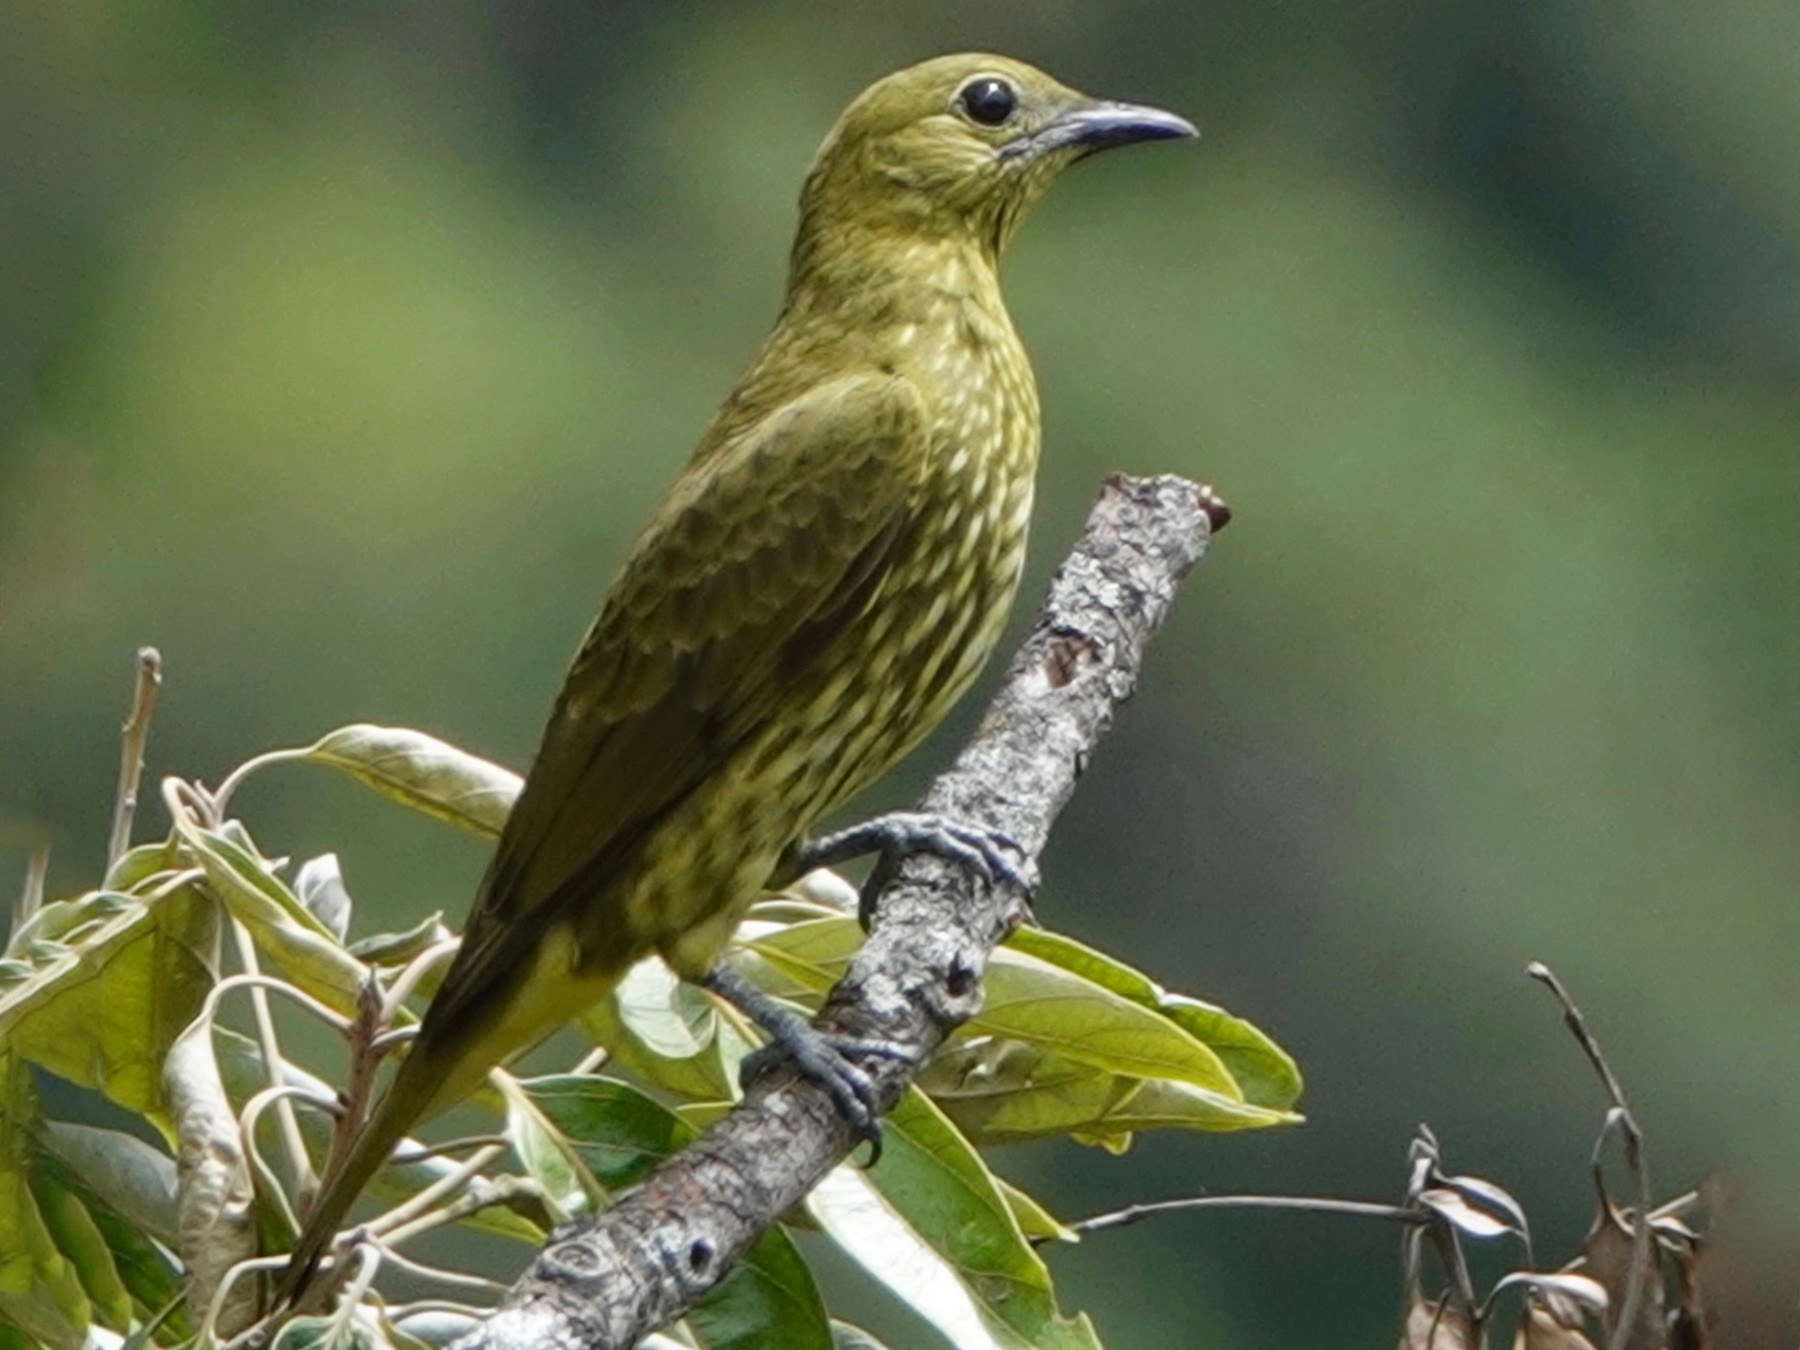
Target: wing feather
{"x":767,"y":549}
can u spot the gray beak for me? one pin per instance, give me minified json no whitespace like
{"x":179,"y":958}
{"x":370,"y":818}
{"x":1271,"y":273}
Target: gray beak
{"x":1098,"y":126}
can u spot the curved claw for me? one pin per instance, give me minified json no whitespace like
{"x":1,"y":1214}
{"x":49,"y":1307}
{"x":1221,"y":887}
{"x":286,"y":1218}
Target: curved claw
{"x":820,"y":1056}
{"x":823,"y":1059}
{"x":985,"y":852}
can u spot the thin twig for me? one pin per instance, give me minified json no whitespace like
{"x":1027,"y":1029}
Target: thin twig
{"x":274,"y":1066}
{"x":1634,"y":1153}
{"x":248,"y":1119}
{"x":401,"y":1311}
{"x":477,"y":1198}
{"x":427,"y":1151}
{"x":592,"y":1062}
{"x":437,"y":1274}
{"x":216,"y":1309}
{"x":386,"y":1042}
{"x":400,"y":1216}
{"x":368,"y":1263}
{"x":135,"y":734}
{"x":300,"y":997}
{"x":31,"y":895}
{"x":417,"y":969}
{"x":221,"y":796}
{"x":1306,"y":1203}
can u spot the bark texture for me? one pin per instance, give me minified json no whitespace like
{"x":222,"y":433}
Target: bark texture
{"x":604,"y":1282}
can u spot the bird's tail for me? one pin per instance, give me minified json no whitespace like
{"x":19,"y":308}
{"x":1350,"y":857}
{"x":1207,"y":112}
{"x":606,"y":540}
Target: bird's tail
{"x":417,"y":1084}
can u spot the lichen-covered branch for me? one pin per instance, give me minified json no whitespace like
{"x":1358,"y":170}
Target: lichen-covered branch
{"x":606,"y":1281}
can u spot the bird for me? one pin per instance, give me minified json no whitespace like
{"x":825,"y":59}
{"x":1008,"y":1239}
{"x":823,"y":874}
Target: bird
{"x":827,"y":575}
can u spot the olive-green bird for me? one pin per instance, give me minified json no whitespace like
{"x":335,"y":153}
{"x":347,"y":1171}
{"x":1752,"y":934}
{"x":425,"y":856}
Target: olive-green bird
{"x":826,"y":577}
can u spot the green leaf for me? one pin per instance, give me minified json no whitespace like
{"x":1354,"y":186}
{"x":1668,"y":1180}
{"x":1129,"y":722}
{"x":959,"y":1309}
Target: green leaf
{"x":1069,"y":1041}
{"x":1004,"y":1091}
{"x":932,"y":1224}
{"x":428,"y":1329}
{"x":1037,"y":1223}
{"x":1037,"y":1012}
{"x":149,"y":1276}
{"x":668,"y":1034}
{"x":549,"y":1158}
{"x":1025,"y":999}
{"x":283,"y":928}
{"x":769,"y":1299}
{"x":422,"y":772}
{"x":79,"y":1238}
{"x":396,"y":949}
{"x":1264,"y":1071}
{"x":140,"y":868}
{"x":1043,"y":1005}
{"x":137,"y":1180}
{"x":618,"y":1131}
{"x":40,"y":1291}
{"x":102,"y":1002}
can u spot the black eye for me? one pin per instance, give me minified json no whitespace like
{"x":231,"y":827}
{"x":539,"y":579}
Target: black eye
{"x":989,"y":102}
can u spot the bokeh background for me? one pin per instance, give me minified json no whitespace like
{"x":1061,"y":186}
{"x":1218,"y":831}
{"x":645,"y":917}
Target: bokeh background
{"x":342,"y":346}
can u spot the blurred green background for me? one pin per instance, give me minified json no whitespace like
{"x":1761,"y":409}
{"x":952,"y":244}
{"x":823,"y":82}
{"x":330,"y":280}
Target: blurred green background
{"x":342,"y":346}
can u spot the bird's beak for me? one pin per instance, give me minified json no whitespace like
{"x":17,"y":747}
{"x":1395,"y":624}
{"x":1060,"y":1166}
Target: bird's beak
{"x":1096,"y":126}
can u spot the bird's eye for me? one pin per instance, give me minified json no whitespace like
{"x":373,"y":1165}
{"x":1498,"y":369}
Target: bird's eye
{"x":989,"y":102}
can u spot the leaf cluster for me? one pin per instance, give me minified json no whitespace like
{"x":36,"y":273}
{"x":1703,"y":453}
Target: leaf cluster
{"x":158,"y":991}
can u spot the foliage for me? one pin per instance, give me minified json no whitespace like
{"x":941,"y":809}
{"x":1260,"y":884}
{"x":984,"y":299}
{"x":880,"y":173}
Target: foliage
{"x":127,"y":992}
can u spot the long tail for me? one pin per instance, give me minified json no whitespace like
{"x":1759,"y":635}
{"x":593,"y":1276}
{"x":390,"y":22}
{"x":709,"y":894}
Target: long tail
{"x":513,"y":1001}
{"x":415,"y":1086}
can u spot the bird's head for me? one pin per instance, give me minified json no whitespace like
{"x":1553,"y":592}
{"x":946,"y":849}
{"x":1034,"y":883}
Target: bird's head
{"x":962,"y":146}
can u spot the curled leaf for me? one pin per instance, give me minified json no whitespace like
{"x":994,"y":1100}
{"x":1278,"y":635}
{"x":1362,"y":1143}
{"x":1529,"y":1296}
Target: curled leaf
{"x":1457,"y":1211}
{"x":215,"y":1212}
{"x":319,"y":885}
{"x":288,"y":933}
{"x":422,"y":772}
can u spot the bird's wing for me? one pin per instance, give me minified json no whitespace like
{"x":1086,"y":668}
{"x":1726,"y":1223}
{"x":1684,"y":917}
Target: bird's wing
{"x":766,"y":550}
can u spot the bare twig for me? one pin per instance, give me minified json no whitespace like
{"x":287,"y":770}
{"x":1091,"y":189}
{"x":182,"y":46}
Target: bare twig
{"x":222,"y":795}
{"x":31,"y":895}
{"x":481,"y":1194}
{"x":436,"y":1274}
{"x":427,"y":961}
{"x":1304,"y":1203}
{"x":135,"y":735}
{"x":609,"y":1280}
{"x":400,"y":1217}
{"x":408,"y":1157}
{"x":274,"y":1067}
{"x":1633,"y":1139}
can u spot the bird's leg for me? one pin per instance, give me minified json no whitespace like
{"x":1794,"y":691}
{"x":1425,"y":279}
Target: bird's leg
{"x":822,"y":1056}
{"x":987,"y":853}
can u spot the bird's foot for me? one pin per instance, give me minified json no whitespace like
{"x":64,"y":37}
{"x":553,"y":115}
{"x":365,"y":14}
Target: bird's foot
{"x":824,"y":1057}
{"x":987,"y":853}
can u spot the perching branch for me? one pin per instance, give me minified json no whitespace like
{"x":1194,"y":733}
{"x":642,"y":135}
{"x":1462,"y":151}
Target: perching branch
{"x":607,"y":1281}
